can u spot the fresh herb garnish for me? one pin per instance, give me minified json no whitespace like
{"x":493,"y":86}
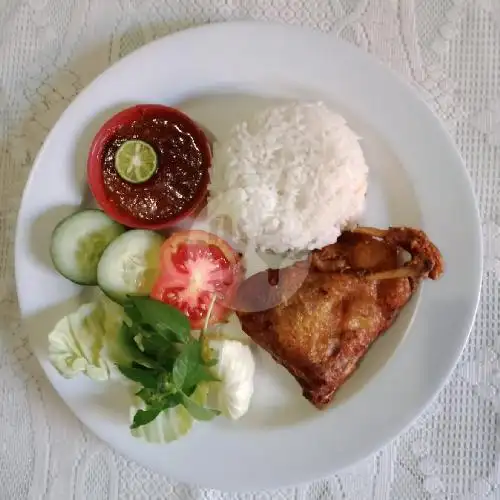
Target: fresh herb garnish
{"x":167,"y":321}
{"x":168,"y":363}
{"x":143,"y":417}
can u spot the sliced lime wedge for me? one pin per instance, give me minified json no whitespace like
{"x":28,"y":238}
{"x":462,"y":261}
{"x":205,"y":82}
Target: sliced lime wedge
{"x":136,"y":161}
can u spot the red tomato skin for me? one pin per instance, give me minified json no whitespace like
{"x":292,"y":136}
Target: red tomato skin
{"x":174,"y":280}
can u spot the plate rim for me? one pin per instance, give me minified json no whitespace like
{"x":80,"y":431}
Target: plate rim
{"x":368,"y":59}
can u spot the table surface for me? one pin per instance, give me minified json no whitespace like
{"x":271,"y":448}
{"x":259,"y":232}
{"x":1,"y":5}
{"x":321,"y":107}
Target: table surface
{"x":450,"y":52}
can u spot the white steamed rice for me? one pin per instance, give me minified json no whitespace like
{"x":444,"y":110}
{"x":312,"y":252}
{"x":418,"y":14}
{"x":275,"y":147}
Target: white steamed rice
{"x":291,"y":177}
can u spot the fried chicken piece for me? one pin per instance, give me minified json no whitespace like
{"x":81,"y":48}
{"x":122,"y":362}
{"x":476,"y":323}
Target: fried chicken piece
{"x":321,"y":316}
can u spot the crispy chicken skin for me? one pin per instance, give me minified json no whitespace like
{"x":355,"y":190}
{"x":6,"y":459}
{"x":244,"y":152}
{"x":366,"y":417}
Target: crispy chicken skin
{"x":344,"y":297}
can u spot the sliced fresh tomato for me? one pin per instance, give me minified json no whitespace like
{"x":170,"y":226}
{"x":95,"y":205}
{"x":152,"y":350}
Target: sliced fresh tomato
{"x":195,"y":265}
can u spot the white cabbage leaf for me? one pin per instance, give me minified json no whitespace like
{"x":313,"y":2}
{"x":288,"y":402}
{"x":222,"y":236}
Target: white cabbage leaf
{"x":235,"y":369}
{"x":76,"y":344}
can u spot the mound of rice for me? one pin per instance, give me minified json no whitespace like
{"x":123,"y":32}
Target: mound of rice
{"x":290,"y":177}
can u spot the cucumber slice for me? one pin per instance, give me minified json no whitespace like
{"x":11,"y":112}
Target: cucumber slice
{"x":78,"y":242}
{"x":130,"y":265}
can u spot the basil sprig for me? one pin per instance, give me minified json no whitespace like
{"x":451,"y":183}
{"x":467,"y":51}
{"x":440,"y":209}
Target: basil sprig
{"x":167,"y":361}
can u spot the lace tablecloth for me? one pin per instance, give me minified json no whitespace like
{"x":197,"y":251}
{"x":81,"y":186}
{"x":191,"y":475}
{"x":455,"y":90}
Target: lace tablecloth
{"x":448,"y":49}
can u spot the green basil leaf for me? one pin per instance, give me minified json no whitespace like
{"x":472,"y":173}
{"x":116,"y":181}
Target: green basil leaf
{"x":205,"y":375}
{"x":198,"y":412}
{"x":190,"y":359}
{"x":180,"y":369}
{"x":170,"y":336}
{"x":195,"y":369}
{"x":166,"y":361}
{"x":163,"y":318}
{"x":162,"y":338}
{"x":147,"y":395}
{"x":197,"y":375}
{"x":143,"y":417}
{"x":155,"y":398}
{"x":132,"y":312}
{"x":195,"y":350}
{"x":171,"y":401}
{"x":152,"y":342}
{"x":126,"y":343}
{"x":145,"y":377}
{"x":164,"y":354}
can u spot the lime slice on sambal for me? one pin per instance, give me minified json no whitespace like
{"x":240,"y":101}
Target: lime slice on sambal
{"x":136,"y":161}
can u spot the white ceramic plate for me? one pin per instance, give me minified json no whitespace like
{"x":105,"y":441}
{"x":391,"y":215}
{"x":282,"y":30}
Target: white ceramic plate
{"x":216,"y":73}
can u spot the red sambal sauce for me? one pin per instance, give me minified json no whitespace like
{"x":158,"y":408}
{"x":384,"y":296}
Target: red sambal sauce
{"x":182,"y":168}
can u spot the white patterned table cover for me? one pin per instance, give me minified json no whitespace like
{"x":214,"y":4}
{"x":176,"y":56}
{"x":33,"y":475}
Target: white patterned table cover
{"x":448,"y":49}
